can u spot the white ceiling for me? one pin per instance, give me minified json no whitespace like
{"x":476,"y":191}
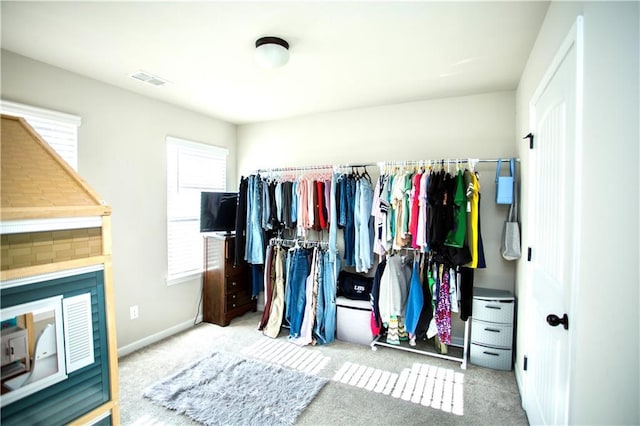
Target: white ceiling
{"x":343,"y":54}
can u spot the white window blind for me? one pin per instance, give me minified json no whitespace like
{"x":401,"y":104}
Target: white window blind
{"x":59,"y":130}
{"x":191,"y":169}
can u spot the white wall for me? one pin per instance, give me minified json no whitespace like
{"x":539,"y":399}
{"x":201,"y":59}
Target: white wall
{"x":480,"y":126}
{"x":605,"y":378}
{"x":122,"y":156}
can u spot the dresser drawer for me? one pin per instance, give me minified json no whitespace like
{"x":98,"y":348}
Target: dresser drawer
{"x":491,"y":334}
{"x":498,"y":359}
{"x":500,"y":311}
{"x":231,"y":269}
{"x":240,"y":298}
{"x":235,"y":283}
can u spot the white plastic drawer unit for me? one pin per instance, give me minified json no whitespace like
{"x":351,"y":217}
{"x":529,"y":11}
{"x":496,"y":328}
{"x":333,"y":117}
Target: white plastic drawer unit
{"x":499,"y":335}
{"x":500,"y":311}
{"x":492,"y":328}
{"x":484,"y":356}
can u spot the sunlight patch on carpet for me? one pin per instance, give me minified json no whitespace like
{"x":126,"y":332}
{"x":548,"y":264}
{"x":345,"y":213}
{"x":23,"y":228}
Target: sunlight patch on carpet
{"x":228,"y":389}
{"x":435,"y":387}
{"x":288,"y":355}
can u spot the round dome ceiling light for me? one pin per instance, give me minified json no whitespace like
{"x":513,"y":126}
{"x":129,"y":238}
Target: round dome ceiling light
{"x":272,"y":52}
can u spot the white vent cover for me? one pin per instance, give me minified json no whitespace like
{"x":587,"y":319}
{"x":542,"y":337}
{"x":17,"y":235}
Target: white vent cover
{"x":78,"y":331}
{"x":148,"y":78}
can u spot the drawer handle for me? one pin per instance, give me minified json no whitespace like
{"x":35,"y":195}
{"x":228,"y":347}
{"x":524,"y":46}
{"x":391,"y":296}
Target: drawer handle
{"x":493,"y":307}
{"x":233,"y":297}
{"x":490,"y":353}
{"x":234,"y":305}
{"x":494,"y":330}
{"x":233,"y":283}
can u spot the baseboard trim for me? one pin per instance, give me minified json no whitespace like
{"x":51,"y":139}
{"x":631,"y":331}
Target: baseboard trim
{"x":139,"y":344}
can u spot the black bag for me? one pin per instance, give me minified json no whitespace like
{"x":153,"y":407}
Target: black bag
{"x":354,"y":286}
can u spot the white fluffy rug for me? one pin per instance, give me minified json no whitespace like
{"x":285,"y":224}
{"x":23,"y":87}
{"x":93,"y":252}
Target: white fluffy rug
{"x":225,"y":389}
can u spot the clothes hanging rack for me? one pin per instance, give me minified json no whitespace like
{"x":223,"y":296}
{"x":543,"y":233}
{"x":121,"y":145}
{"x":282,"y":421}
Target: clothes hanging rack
{"x":405,"y":347}
{"x":298,"y":242}
{"x":447,"y":161}
{"x":327,"y":167}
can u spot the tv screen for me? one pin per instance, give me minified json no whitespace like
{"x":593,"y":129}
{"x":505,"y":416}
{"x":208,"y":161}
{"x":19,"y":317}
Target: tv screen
{"x":218,"y":211}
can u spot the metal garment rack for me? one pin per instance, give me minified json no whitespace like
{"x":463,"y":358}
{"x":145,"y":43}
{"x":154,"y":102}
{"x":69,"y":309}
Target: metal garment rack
{"x":382,"y":166}
{"x":405,"y":347}
{"x":286,"y":242}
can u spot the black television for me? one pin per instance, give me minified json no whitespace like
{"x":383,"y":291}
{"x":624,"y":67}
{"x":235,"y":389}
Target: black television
{"x":218,"y":211}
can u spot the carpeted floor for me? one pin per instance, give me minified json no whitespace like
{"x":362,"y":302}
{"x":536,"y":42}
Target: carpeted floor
{"x":365,"y":388}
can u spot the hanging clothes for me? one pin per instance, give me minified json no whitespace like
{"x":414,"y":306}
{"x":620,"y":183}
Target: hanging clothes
{"x":443,"y":307}
{"x":276,"y":308}
{"x":363,"y":226}
{"x":254,"y":248}
{"x":269,"y":282}
{"x":304,"y":337}
{"x":376,"y":321}
{"x":394,"y":287}
{"x":241,"y":220}
{"x":415,"y":302}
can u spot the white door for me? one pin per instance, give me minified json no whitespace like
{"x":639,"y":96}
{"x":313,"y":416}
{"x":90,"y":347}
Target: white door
{"x":554,"y":240}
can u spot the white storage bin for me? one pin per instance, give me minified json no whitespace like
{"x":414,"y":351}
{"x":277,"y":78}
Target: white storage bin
{"x":484,"y":356}
{"x":353,"y":322}
{"x":500,"y":311}
{"x":492,"y":334}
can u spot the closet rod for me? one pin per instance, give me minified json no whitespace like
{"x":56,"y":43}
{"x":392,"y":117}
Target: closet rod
{"x":309,"y":168}
{"x":381,"y":163}
{"x":448,"y":160}
{"x":293,"y":242}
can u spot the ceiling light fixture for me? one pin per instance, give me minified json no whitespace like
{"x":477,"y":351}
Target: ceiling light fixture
{"x":272,"y":52}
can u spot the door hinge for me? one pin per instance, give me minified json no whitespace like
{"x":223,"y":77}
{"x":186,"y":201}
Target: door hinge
{"x":528,"y":254}
{"x":530,"y":137}
{"x":524,"y":364}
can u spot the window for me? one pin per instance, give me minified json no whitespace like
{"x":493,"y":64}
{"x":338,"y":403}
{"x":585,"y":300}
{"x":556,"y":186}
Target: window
{"x":191,"y":168}
{"x":59,"y":130}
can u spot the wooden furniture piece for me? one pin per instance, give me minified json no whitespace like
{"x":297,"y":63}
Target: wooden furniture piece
{"x":15,"y":352}
{"x":227,"y":287}
{"x":55,"y":235}
{"x":492,"y":328}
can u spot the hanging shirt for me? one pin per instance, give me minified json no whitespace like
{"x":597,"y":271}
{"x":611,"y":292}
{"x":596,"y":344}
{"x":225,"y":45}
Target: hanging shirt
{"x":377,"y":215}
{"x":394,"y":287}
{"x":415,"y":301}
{"x":415,"y":209}
{"x":421,"y":238}
{"x":456,"y":236}
{"x":473,"y":197}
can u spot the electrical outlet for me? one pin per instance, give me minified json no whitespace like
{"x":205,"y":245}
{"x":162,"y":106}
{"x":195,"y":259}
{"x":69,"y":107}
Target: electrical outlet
{"x":133,"y":312}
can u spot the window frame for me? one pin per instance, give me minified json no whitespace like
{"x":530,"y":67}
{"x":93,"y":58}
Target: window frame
{"x":191,"y":148}
{"x":42,"y":119}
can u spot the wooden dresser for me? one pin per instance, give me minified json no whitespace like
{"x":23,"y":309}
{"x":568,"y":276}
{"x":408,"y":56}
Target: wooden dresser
{"x":227,"y":287}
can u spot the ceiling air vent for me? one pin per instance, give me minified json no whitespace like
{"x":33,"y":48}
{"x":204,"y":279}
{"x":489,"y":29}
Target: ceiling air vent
{"x":148,"y":78}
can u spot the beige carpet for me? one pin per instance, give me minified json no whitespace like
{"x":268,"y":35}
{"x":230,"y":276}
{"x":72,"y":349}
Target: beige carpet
{"x":366,"y":387}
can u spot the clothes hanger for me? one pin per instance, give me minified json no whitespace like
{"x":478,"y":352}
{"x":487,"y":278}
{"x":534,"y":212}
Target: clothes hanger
{"x":366,"y":174}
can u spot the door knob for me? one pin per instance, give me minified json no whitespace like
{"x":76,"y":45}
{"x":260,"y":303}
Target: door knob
{"x":553,"y":320}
